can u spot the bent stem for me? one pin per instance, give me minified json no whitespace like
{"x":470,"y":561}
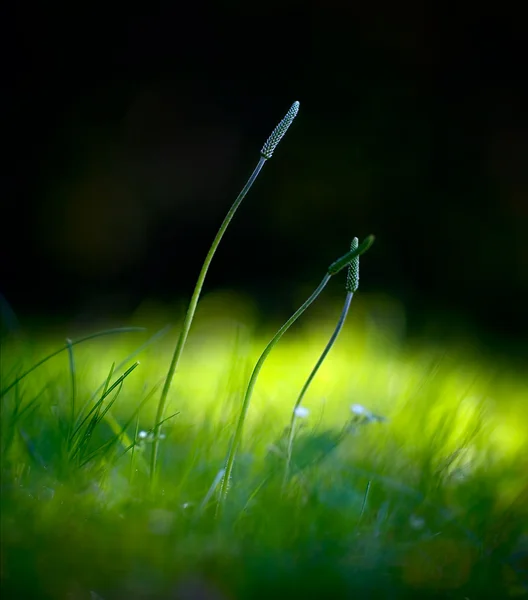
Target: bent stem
{"x":331,"y":342}
{"x":247,"y":398}
{"x":351,"y":286}
{"x":346,"y":260}
{"x":190,"y":314}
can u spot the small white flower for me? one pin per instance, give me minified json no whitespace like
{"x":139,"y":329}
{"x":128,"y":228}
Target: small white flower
{"x":357,"y":409}
{"x":301,"y":412}
{"x":142,"y":435}
{"x":416,"y":522}
{"x":460,"y":474}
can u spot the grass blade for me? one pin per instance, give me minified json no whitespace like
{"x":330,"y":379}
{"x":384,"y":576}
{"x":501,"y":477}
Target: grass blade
{"x":66,"y":346}
{"x":71,"y":362}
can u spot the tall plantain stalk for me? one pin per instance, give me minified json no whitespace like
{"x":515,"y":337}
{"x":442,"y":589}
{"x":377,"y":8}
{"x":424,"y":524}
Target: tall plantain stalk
{"x":265,"y":154}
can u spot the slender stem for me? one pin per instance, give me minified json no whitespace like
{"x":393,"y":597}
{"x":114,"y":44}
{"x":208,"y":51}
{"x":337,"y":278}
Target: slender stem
{"x":133,"y":452}
{"x":333,"y":338}
{"x":364,"y":505}
{"x":190,"y":315}
{"x":73,"y":385}
{"x":245,"y":405}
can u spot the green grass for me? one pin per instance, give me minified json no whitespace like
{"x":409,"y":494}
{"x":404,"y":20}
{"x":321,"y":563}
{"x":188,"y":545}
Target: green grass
{"x":432,"y":502}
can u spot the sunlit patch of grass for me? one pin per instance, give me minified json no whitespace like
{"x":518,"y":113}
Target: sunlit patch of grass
{"x":431,"y":499}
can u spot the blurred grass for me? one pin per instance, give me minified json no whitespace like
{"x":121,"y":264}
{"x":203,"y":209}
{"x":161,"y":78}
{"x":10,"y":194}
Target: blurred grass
{"x":431,"y":503}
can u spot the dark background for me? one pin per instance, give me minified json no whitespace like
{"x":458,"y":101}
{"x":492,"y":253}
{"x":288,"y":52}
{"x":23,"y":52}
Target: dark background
{"x":129,"y":133}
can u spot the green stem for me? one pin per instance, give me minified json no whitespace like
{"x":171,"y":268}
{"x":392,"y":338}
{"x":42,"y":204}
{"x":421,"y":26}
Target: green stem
{"x":331,"y":342}
{"x":245,"y":405}
{"x":190,"y":315}
{"x":333,"y":269}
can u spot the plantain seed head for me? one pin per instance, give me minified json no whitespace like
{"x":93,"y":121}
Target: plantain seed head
{"x":347,"y":258}
{"x":352,"y":282}
{"x":279,"y":131}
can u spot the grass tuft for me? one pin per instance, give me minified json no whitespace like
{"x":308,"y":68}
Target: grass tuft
{"x":430,"y":500}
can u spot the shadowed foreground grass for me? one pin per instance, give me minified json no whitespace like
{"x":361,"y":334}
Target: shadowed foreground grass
{"x":429,"y":501}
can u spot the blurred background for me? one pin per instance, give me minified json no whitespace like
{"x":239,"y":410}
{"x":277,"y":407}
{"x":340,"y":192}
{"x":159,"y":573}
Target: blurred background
{"x":129,"y":133}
